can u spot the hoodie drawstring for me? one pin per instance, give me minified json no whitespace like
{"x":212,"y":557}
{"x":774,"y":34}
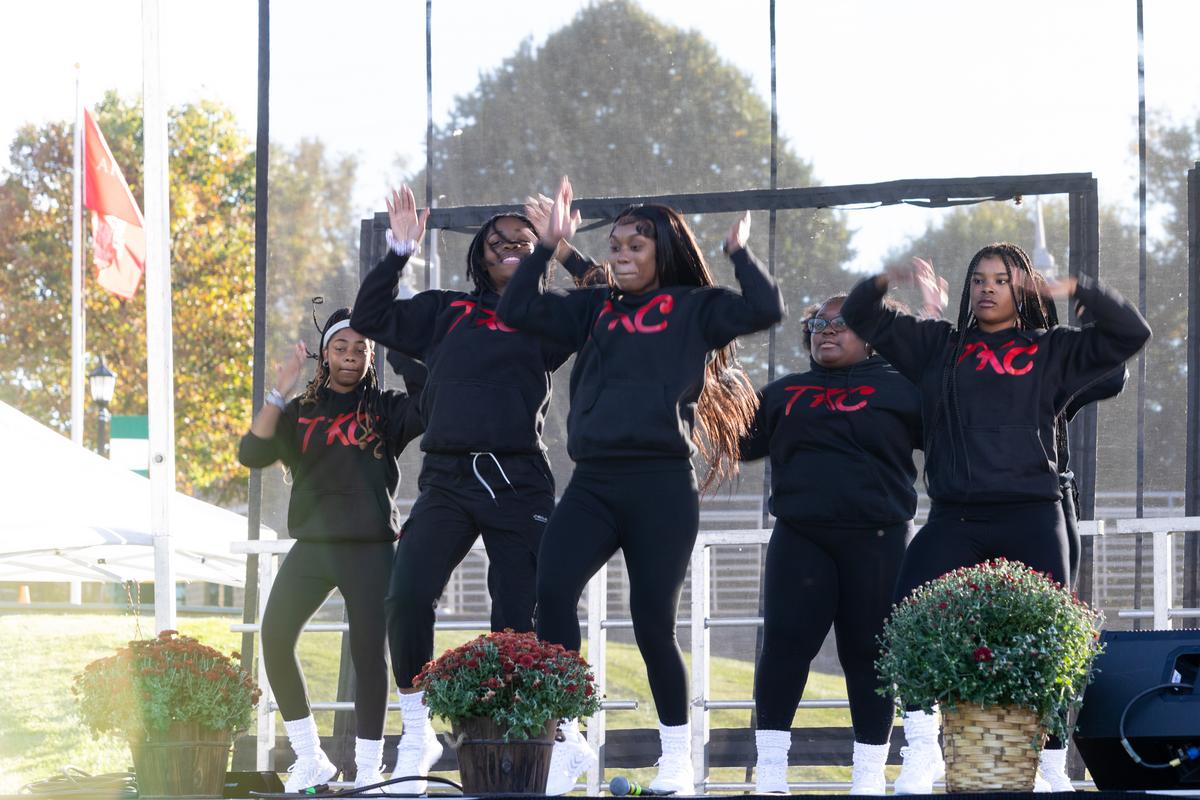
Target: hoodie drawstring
{"x":478,"y":477}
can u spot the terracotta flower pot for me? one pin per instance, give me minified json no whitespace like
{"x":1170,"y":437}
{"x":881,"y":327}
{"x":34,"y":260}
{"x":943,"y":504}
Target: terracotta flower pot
{"x":487,"y":764}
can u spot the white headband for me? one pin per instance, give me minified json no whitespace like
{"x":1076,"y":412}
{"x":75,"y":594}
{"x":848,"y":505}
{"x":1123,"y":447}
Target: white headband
{"x":332,"y":329}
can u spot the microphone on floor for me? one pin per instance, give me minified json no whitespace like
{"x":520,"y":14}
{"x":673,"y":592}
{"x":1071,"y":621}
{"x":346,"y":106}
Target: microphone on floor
{"x":621,"y":786}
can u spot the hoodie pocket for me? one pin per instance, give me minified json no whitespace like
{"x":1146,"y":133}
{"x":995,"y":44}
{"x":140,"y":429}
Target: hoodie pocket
{"x":629,"y":416}
{"x":477,"y":415}
{"x":1007,"y":459}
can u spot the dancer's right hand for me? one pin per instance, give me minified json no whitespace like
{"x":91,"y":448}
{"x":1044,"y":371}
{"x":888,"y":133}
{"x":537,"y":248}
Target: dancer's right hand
{"x":402,"y":213}
{"x":561,"y":221}
{"x":287,"y":372}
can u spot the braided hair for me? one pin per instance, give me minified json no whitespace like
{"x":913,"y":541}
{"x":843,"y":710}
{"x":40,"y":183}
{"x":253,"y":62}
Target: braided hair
{"x":476,"y":269}
{"x":727,"y":401}
{"x":1033,"y":313}
{"x":370,"y":400}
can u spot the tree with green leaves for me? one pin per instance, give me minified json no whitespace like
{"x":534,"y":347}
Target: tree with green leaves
{"x":212,"y":275}
{"x":627,"y":104}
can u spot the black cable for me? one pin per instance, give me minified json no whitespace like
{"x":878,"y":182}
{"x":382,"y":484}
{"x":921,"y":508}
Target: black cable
{"x":1191,"y":753}
{"x":74,"y":781}
{"x":323,"y":789}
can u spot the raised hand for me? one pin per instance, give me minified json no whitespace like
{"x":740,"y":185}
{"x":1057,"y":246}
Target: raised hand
{"x":935,"y":292}
{"x":738,"y":234}
{"x":402,"y":213}
{"x":538,"y":211}
{"x":1056,"y":289}
{"x":561,"y":222}
{"x":287,"y":372}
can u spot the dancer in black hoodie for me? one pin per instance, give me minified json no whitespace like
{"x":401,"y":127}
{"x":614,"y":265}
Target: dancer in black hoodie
{"x":994,"y":388}
{"x":654,"y":357}
{"x":485,"y":469}
{"x":340,"y":441}
{"x":840,"y":438}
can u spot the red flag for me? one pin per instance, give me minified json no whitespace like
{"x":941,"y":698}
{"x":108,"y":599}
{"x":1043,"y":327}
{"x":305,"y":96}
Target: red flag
{"x":118,"y":231}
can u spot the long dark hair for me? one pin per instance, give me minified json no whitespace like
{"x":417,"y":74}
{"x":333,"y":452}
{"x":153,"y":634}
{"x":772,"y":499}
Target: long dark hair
{"x":476,"y":271}
{"x":727,"y":401}
{"x":370,"y":407}
{"x":1033,"y":313}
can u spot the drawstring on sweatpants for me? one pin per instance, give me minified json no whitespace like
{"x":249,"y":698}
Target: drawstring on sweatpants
{"x":478,"y":477}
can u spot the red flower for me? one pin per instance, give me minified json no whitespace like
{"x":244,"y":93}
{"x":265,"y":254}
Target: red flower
{"x":525,"y":660}
{"x":942,"y":605}
{"x":982,"y":654}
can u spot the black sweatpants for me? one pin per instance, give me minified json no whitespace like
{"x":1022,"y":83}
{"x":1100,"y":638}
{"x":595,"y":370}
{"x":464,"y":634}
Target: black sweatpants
{"x":505,"y":498}
{"x":961,"y":535}
{"x":650,"y":512}
{"x":819,"y":576}
{"x":308,"y":575}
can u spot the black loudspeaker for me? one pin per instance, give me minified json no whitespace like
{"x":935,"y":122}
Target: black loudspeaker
{"x":241,"y":784}
{"x":1160,"y":723}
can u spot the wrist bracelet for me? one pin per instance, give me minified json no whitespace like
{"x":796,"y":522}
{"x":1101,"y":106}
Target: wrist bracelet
{"x":274,"y":398}
{"x":401,"y":247}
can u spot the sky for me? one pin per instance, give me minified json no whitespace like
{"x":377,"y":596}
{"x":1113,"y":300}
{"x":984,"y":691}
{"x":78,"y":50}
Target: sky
{"x":869,"y":90}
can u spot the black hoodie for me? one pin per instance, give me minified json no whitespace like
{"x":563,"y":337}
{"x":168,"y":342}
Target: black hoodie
{"x":341,"y":490}
{"x":997,"y":443}
{"x":642,"y":358}
{"x":489,"y":383}
{"x":841,"y":443}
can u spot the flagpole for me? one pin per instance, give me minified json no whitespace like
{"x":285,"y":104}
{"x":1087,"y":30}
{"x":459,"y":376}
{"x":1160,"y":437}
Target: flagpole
{"x":77,"y":319}
{"x":159,"y":369}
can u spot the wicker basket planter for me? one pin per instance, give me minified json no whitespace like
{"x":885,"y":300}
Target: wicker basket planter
{"x":989,"y":749}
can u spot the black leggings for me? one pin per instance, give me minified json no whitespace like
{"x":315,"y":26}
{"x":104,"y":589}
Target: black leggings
{"x":959,"y":535}
{"x":818,"y":576}
{"x":308,"y":575}
{"x":650,"y":516}
{"x":508,"y":500}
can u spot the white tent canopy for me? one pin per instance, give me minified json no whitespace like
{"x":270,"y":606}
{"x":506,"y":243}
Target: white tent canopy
{"x":72,"y":515}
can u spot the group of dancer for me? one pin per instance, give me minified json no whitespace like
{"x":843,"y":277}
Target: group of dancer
{"x":655,"y":383}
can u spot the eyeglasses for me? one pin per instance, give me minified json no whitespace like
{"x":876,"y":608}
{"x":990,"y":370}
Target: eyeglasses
{"x":818,"y":324}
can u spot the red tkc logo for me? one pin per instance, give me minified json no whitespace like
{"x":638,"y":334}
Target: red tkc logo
{"x":662,"y":304}
{"x":346,"y":436}
{"x":487,"y":317}
{"x":1005,"y":365}
{"x":850,"y":398}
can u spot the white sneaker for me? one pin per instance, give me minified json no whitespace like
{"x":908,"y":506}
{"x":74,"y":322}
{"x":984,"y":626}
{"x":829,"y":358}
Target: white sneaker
{"x":675,"y":774}
{"x":921,"y":767}
{"x":770,"y":779}
{"x":415,"y":756}
{"x":1052,"y":772}
{"x":571,"y":757}
{"x":867,"y":776}
{"x":369,"y":777}
{"x":305,"y":773}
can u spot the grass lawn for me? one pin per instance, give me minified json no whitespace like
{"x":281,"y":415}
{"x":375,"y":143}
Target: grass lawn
{"x":40,"y":731}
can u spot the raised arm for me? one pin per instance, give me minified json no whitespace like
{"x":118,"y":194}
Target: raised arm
{"x":260,"y":447}
{"x":906,"y":342}
{"x":1090,"y":354}
{"x":404,"y":325}
{"x":562,"y":316}
{"x":759,"y":305}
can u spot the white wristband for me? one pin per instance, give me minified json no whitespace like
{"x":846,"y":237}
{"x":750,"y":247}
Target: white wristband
{"x":401,"y":247}
{"x":274,"y":398}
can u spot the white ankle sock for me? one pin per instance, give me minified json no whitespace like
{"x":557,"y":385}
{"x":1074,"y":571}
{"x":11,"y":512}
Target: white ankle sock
{"x":303,"y":736}
{"x":413,"y":711}
{"x":368,"y":755}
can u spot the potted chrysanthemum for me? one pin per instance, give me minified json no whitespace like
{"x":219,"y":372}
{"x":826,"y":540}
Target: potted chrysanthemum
{"x":178,"y":703}
{"x":504,"y":694}
{"x":1000,"y":648}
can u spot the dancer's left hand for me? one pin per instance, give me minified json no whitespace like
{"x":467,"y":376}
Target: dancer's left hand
{"x":738,"y":234}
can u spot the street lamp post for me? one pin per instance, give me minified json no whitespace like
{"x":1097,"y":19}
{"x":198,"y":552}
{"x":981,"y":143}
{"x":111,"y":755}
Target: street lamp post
{"x":101,"y":383}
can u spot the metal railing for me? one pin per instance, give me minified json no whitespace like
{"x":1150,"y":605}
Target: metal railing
{"x":700,"y":622}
